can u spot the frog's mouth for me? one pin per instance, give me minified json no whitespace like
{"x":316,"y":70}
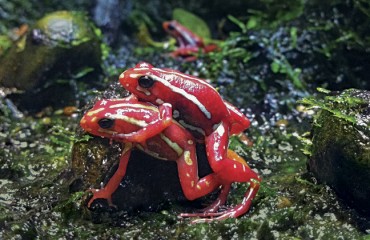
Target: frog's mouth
{"x":107,"y":131}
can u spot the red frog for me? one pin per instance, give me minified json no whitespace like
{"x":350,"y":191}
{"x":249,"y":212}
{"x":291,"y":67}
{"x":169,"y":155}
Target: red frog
{"x":198,"y":107}
{"x":188,"y":42}
{"x":152,"y":130}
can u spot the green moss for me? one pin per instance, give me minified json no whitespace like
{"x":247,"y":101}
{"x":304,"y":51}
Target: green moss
{"x":345,"y":106}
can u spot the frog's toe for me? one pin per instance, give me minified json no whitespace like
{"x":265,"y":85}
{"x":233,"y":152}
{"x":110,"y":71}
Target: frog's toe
{"x":101,"y":205}
{"x":100,"y":200}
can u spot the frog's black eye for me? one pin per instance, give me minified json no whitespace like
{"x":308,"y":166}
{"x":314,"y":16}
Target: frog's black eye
{"x":146,"y":81}
{"x":106,"y":123}
{"x":171,"y":27}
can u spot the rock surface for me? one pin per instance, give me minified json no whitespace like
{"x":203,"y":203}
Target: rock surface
{"x":149,"y":183}
{"x":341,"y":150}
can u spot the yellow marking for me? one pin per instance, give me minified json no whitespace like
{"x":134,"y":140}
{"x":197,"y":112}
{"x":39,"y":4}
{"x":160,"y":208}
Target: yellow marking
{"x":134,"y":105}
{"x":235,"y":157}
{"x":234,"y":165}
{"x":83,"y":120}
{"x":187,"y":174}
{"x":192,"y":183}
{"x":199,"y":187}
{"x":188,"y":158}
{"x":128,"y":146}
{"x":93,"y":119}
{"x":190,"y":142}
{"x":133,"y":75}
{"x":90,"y":113}
{"x":207,"y":183}
{"x":122,"y":75}
{"x":172,"y":145}
{"x":134,"y":121}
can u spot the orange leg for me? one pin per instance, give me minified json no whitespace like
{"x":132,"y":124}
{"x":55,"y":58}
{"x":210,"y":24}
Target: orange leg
{"x":114,"y":182}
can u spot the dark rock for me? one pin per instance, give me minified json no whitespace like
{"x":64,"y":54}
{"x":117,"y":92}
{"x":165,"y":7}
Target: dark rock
{"x":341,"y":148}
{"x":148,"y":185}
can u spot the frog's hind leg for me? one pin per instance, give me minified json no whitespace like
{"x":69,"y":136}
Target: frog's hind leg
{"x":236,"y":170}
{"x":229,"y":167}
{"x":221,"y":200}
{"x":194,"y":187}
{"x":235,"y":211}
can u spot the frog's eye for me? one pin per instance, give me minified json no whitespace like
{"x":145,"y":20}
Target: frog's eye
{"x":146,"y":81}
{"x":171,"y":27}
{"x":106,"y":123}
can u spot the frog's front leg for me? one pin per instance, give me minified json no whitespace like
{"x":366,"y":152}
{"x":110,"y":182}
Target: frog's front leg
{"x":188,"y":53}
{"x":152,"y":129}
{"x":114,"y":182}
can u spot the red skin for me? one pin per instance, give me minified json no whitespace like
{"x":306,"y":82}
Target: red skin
{"x":150,"y":139}
{"x":199,"y":108}
{"x":188,"y":42}
{"x":196,"y":105}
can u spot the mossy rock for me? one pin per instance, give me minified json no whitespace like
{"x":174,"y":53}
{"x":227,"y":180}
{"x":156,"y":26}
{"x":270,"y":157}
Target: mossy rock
{"x":57,"y":48}
{"x":341,"y":149}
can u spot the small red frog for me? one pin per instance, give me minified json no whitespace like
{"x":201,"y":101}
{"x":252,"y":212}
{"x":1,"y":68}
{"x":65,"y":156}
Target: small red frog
{"x":188,"y":42}
{"x":199,"y":108}
{"x":152,"y":130}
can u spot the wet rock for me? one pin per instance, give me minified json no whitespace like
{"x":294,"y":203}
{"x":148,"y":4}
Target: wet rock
{"x":59,"y":46}
{"x":341,"y":147}
{"x":148,"y":185}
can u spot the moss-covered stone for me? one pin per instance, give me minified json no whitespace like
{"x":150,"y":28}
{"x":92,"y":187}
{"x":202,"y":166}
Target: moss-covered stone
{"x":59,"y":42}
{"x":59,"y":46}
{"x":341,"y":148}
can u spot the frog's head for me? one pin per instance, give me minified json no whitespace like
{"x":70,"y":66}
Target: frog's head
{"x":172,"y":28}
{"x":107,"y":118}
{"x":147,"y":82}
{"x":99,"y":120}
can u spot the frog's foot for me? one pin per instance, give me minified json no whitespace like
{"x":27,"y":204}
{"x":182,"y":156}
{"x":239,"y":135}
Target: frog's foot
{"x":101,"y":194}
{"x":221,"y":200}
{"x":233,"y":212}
